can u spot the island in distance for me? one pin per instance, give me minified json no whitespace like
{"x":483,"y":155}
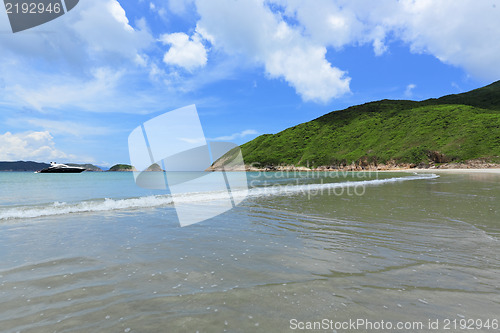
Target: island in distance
{"x":36,"y":166}
{"x":27,"y":166}
{"x":126,"y":167}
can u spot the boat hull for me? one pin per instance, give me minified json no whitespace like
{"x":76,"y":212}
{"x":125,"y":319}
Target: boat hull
{"x":62,"y":170}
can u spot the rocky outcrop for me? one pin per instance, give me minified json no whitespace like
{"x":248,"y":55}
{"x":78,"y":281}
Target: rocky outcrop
{"x":126,"y":167}
{"x":122,"y":167}
{"x":390,"y":166}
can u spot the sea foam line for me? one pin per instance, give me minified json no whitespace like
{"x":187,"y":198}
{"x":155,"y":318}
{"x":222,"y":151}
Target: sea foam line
{"x":58,"y":208}
{"x":61,"y":208}
{"x":283,"y":189}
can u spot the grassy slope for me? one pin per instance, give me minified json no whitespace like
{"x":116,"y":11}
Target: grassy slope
{"x":121,"y":167}
{"x":458,"y":127}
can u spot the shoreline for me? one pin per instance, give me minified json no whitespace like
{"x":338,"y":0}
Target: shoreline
{"x":408,"y":170}
{"x":456,"y":170}
{"x":469,"y":167}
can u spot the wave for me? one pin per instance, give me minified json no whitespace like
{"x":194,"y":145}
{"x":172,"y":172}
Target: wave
{"x":62,"y":208}
{"x":320,"y":188}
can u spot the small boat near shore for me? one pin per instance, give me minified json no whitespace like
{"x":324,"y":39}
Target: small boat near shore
{"x":61,"y":168}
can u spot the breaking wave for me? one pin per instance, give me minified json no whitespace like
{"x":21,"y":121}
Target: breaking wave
{"x":103,"y":205}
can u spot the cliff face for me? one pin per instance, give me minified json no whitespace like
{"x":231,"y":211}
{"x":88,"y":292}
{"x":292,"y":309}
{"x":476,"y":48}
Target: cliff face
{"x":451,"y":129}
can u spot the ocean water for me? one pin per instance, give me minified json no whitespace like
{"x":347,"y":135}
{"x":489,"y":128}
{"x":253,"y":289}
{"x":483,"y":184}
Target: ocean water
{"x":93,"y":252}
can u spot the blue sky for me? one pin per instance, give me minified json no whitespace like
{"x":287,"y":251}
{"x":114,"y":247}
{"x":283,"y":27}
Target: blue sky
{"x":74,"y":88}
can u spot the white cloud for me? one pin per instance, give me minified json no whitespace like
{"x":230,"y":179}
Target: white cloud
{"x":327,"y":22}
{"x":96,"y":31}
{"x":96,"y":58}
{"x":234,"y":136}
{"x":409,"y":89}
{"x":159,"y":10}
{"x":61,"y":127}
{"x":54,"y":91}
{"x":38,"y":146}
{"x":89,"y":59}
{"x":461,"y":33}
{"x":186,"y":52}
{"x":252,"y":29}
{"x":106,"y":31}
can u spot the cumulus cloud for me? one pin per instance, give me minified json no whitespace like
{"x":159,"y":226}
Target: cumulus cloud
{"x":81,"y":59}
{"x":330,"y":23}
{"x":97,"y":45}
{"x":98,"y":30}
{"x":186,"y":52}
{"x":251,"y":28}
{"x":38,"y":146}
{"x":461,"y":33}
{"x":106,"y":32}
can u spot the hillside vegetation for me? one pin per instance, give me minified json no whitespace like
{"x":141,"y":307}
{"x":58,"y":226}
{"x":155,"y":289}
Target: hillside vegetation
{"x":22,"y":166}
{"x":121,"y":167}
{"x":454,"y":128}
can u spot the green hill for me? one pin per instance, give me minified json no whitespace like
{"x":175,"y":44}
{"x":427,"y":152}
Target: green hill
{"x":487,"y":97}
{"x":122,"y":167}
{"x":126,"y":167}
{"x":454,"y":128}
{"x":22,"y":166}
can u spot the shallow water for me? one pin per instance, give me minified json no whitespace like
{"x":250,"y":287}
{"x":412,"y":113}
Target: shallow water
{"x":400,"y":250}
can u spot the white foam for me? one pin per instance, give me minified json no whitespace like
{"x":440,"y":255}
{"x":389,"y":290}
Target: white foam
{"x":280,"y":189}
{"x":61,"y":208}
{"x":58,"y":208}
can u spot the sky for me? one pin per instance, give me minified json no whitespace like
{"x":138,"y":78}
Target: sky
{"x":73,"y":89}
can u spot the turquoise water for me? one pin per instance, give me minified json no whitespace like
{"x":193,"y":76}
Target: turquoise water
{"x":94,"y":252}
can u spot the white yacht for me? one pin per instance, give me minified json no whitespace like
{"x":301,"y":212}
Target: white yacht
{"x":61,"y":168}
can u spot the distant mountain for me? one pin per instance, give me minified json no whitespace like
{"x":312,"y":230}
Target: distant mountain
{"x":35,"y":166}
{"x":453,"y":128}
{"x":122,"y":167}
{"x":126,"y":167}
{"x":22,"y":166}
{"x":154,"y":167}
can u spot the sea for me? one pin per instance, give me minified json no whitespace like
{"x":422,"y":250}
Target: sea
{"x":302,"y":252}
